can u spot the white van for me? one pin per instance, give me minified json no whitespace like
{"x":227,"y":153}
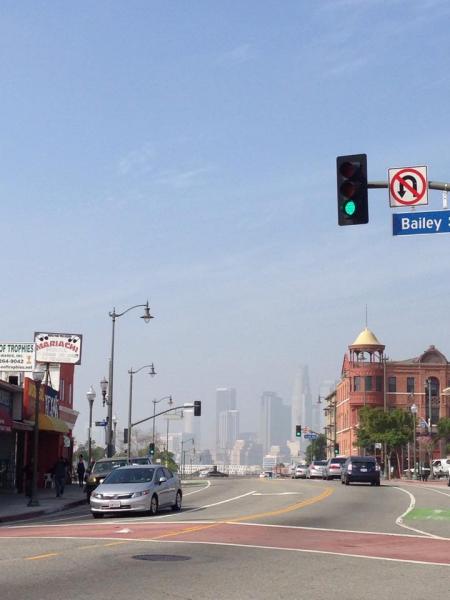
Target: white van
{"x":441,"y":467}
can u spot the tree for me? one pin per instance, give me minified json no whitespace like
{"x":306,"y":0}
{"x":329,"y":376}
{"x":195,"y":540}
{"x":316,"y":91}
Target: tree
{"x":443,"y":429}
{"x":393,"y":428}
{"x":317,"y":449}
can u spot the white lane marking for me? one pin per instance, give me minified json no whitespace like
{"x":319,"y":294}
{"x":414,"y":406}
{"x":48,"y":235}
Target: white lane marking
{"x":412,"y":503}
{"x":329,"y":552}
{"x":124,"y":530}
{"x":278,"y":494}
{"x":225,"y":501}
{"x":200,"y":490}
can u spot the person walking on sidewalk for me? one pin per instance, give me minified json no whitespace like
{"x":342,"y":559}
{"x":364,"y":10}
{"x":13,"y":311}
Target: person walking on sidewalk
{"x":60,"y":473}
{"x":81,"y":470}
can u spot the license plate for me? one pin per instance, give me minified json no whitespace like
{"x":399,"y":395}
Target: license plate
{"x":363,"y":470}
{"x":114,"y":504}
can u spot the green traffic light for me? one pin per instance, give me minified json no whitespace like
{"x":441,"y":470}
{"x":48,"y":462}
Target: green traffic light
{"x":350,"y":208}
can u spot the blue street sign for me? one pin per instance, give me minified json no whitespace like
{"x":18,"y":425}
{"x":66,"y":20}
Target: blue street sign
{"x":310,"y":436}
{"x":412,"y":223}
{"x":100,"y":423}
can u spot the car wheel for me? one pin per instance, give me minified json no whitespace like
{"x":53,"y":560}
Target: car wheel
{"x":177,"y":505}
{"x":97,"y":515}
{"x":153,"y":505}
{"x":378,"y":483}
{"x":347,"y":482}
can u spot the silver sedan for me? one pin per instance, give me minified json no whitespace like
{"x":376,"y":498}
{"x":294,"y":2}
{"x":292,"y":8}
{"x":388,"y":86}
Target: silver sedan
{"x":137,"y":489}
{"x":315,"y":469}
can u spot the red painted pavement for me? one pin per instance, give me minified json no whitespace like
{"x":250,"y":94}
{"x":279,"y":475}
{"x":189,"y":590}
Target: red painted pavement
{"x":380,"y":546}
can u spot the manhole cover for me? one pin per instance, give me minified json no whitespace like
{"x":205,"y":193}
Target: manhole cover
{"x":161,"y":557}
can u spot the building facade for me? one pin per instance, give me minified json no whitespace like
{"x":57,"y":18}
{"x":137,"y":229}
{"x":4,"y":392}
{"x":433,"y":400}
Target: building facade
{"x":369,"y":378}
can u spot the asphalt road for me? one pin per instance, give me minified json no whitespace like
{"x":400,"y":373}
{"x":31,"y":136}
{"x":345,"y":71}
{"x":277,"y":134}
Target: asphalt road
{"x":239,"y":539}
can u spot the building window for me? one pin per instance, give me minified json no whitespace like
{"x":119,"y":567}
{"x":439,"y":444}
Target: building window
{"x":410,"y":385}
{"x":368,"y":383}
{"x":392,"y":384}
{"x":379,"y":383}
{"x":357,"y":383}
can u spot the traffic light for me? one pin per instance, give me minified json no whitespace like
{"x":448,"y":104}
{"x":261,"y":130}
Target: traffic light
{"x":336,"y":449}
{"x":197,"y":408}
{"x":298,"y":431}
{"x":125,"y":435}
{"x":151,"y":449}
{"x":352,"y":194}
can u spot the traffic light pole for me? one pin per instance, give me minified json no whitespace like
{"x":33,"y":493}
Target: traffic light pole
{"x":163,"y":412}
{"x":432,"y":185}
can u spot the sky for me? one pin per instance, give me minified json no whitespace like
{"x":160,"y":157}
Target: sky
{"x":185,"y":153}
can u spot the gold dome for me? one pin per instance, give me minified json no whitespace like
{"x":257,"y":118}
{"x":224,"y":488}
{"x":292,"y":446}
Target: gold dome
{"x":366,"y":338}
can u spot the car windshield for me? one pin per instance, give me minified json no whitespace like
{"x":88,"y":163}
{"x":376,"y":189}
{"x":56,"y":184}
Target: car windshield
{"x":105,"y":467}
{"x":319,"y":463}
{"x":339,"y":461}
{"x":130,"y":476}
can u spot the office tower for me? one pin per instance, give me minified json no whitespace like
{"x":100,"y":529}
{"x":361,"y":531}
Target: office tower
{"x":225,"y":401}
{"x":275,"y":421}
{"x":301,"y":405}
{"x":228,"y":433}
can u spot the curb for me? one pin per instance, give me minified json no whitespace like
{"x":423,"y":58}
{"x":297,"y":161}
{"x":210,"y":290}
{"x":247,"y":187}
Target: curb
{"x":40,"y":513}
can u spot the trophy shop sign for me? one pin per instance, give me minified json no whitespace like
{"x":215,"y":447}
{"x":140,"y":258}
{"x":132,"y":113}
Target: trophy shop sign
{"x":58,"y":347}
{"x":16,"y":357}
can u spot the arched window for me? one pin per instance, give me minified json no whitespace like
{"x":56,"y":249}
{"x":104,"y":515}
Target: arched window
{"x":432,"y":398}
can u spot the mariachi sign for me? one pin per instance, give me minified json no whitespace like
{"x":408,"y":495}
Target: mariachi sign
{"x":58,"y":347}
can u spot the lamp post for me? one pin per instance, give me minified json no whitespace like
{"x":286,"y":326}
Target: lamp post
{"x":146,"y":317}
{"x":155,"y":402}
{"x":430,"y":428}
{"x":90,"y":395}
{"x":152,"y":373}
{"x":413,"y":409}
{"x":38,"y":376}
{"x":167,"y":433}
{"x":114,"y":420}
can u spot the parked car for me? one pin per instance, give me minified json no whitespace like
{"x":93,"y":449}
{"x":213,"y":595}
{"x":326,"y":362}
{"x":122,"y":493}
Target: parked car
{"x":441,"y":467}
{"x":299,"y":472}
{"x":333,"y":467}
{"x":103,"y":467}
{"x":137,"y":488}
{"x":361,"y":469}
{"x":315,"y":469}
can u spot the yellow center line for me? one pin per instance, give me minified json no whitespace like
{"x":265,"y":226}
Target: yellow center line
{"x":327,"y":492}
{"x":42,"y":556}
{"x":114,"y":543}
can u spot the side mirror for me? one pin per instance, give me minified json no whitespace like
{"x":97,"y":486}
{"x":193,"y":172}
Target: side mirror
{"x":162,"y":479}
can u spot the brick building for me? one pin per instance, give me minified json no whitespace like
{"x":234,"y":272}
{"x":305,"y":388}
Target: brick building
{"x":370,"y":378}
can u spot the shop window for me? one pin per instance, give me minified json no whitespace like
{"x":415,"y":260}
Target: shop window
{"x":357,"y":383}
{"x":392,"y":384}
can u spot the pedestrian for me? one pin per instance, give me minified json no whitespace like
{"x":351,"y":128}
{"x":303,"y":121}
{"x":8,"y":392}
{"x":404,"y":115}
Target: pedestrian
{"x":81,"y":470}
{"x":60,"y":473}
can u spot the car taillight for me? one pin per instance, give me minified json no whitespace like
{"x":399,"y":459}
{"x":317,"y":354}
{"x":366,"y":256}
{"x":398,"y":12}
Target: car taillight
{"x":349,"y":468}
{"x":377,"y":468}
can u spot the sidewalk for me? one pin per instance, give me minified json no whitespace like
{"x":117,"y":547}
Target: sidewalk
{"x":13,"y":507}
{"x":442,"y":482}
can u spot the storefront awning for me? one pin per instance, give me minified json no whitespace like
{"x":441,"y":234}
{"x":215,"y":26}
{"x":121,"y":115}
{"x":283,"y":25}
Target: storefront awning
{"x":47,"y":423}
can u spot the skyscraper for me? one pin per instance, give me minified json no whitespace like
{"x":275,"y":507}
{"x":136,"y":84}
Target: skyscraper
{"x":275,"y":421}
{"x":301,"y":404}
{"x":225,"y":402}
{"x":228,"y":433}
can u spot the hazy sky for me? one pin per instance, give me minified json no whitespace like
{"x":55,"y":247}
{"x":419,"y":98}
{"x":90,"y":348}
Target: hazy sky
{"x":185,"y":152}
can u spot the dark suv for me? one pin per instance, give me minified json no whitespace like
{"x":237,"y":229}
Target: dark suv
{"x":363,"y":469}
{"x":104,"y":466}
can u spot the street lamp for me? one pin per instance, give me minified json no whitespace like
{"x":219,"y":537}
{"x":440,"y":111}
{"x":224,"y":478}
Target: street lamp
{"x":114,"y":420}
{"x":90,"y":395}
{"x":104,"y":388}
{"x":146,"y":317}
{"x":155,"y":402}
{"x":430,"y":428}
{"x":152,"y":373}
{"x":38,"y":376}
{"x":183,"y":442}
{"x":413,"y":409}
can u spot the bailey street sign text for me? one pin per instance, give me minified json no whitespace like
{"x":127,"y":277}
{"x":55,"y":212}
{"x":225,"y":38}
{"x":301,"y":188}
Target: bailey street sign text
{"x":413,"y":223}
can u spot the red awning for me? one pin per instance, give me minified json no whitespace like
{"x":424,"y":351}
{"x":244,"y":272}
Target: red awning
{"x":5,"y":421}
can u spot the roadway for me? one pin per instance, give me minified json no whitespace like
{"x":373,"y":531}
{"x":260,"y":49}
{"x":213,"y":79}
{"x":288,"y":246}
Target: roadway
{"x":242,"y":538}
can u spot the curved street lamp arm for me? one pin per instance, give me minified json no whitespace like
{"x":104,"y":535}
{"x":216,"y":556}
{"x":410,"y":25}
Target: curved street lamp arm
{"x":131,"y":372}
{"x":114,"y":315}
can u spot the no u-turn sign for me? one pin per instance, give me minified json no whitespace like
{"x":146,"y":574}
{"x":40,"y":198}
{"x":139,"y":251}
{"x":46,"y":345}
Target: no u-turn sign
{"x":408,"y":186}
